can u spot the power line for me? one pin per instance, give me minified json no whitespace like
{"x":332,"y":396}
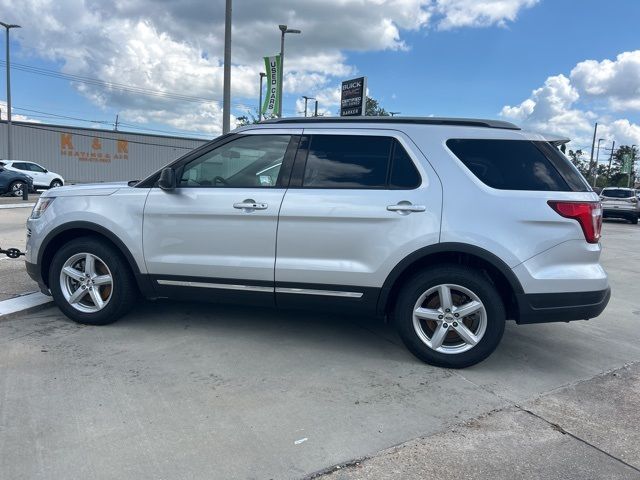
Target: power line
{"x":54,"y":130}
{"x":114,"y":85}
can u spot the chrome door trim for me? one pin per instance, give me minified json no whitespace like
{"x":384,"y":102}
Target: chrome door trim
{"x":328,"y":293}
{"x":221,"y":286}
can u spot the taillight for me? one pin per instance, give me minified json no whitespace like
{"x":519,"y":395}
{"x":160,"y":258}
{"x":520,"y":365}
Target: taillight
{"x":633,"y":200}
{"x":588,"y":215}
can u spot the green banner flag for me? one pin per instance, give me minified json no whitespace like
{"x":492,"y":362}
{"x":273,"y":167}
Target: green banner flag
{"x":626,"y":163}
{"x":271,"y":106}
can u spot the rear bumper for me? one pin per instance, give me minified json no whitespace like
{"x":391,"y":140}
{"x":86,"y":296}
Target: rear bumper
{"x":33,"y":270}
{"x":561,"y":307}
{"x":620,"y":213}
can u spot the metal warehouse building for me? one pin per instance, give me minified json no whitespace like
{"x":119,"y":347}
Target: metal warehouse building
{"x":84,"y":155}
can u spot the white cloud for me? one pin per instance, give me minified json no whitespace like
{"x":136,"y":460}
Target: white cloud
{"x":617,"y":81}
{"x":176,"y":46}
{"x":565,"y":106}
{"x":474,"y":13}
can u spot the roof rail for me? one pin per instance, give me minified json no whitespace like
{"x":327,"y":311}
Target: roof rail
{"x":464,"y":122}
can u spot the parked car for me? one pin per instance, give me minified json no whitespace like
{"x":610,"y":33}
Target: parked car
{"x":42,"y":178}
{"x":446,"y":227}
{"x":13,"y":183}
{"x":620,"y":202}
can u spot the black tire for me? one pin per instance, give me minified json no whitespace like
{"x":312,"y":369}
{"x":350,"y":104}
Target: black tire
{"x":124,"y":289}
{"x":634,"y":221}
{"x":17,"y":187}
{"x":55,"y":183}
{"x":474,"y":281}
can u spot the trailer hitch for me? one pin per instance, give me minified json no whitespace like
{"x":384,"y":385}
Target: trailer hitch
{"x":11,"y":252}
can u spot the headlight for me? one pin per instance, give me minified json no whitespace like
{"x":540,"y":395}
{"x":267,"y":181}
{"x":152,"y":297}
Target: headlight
{"x":41,"y":206}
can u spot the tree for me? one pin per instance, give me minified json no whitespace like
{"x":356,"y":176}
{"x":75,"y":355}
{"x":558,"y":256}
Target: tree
{"x":576,"y":159}
{"x":244,"y":120}
{"x":374,"y":109}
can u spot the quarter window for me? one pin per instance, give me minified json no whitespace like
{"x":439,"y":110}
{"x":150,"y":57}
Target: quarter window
{"x":517,"y":165}
{"x":404,"y":174}
{"x":247,"y":162}
{"x":347,"y":161}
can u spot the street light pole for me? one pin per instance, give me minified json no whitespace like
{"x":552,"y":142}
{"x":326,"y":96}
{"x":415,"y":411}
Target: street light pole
{"x":306,"y":99}
{"x":226,"y":94}
{"x":262,"y":75}
{"x":7,"y":27}
{"x":595,"y":175}
{"x":284,"y":30}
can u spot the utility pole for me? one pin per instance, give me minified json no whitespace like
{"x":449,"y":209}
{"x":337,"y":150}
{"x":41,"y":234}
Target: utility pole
{"x":315,"y":113}
{"x":613,"y":146}
{"x":284,"y":29}
{"x":115,"y":126}
{"x":9,"y":26}
{"x":593,"y":144}
{"x":226,"y":94}
{"x":633,"y":166}
{"x":306,"y":99}
{"x":262,"y":75}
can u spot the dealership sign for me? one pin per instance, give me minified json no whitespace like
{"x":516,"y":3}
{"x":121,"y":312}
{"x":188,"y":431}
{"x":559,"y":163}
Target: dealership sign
{"x":271,"y":106}
{"x":353,"y":99}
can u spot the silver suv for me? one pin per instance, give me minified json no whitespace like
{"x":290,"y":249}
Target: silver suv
{"x":447,"y":227}
{"x":620,"y":202}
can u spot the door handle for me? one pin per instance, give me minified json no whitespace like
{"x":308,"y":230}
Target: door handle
{"x":250,"y":205}
{"x":405,"y":208}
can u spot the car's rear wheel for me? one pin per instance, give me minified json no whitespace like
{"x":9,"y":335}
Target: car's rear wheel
{"x":55,"y":184}
{"x":90,"y":282}
{"x":634,"y":220}
{"x":450,"y":316}
{"x":16,"y":188}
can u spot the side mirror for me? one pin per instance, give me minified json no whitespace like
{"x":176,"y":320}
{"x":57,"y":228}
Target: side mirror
{"x":167,"y":180}
{"x":46,"y":171}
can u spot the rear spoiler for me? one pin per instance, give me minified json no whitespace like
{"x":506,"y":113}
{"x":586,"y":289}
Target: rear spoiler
{"x":558,"y":142}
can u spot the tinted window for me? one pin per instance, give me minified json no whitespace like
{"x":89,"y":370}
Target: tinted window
{"x":404,"y":174}
{"x":250,"y":161}
{"x":510,"y":164}
{"x":347,"y":161}
{"x":617,"y":193}
{"x":20,"y":166}
{"x":34,"y":168}
{"x":569,"y":172}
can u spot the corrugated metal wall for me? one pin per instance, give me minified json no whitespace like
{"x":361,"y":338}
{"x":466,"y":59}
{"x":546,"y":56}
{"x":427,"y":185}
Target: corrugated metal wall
{"x":84,"y":155}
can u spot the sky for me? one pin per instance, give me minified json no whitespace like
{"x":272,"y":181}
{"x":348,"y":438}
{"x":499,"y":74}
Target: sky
{"x":553,"y":66}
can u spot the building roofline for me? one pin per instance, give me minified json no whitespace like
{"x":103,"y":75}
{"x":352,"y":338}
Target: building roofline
{"x":102,"y":130}
{"x":463,"y":122}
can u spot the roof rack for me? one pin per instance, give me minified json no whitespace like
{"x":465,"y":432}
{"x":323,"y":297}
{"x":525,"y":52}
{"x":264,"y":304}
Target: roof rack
{"x":463,"y":122}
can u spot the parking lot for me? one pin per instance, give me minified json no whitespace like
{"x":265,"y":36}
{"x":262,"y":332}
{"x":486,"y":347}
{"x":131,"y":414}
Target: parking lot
{"x":185,"y":390}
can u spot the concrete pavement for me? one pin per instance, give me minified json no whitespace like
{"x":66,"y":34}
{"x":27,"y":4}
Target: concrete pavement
{"x":206,"y":391}
{"x":14,"y":280}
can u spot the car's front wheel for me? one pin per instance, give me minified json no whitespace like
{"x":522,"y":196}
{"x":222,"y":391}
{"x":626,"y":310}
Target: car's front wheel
{"x":17,"y":187}
{"x":90,"y":282}
{"x":450,"y":316}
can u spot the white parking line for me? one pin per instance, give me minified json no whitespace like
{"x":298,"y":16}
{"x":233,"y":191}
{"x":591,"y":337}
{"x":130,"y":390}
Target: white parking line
{"x":18,"y":205}
{"x":24,"y":302}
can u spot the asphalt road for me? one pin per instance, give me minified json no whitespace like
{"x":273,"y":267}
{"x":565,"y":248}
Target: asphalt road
{"x":205,"y":391}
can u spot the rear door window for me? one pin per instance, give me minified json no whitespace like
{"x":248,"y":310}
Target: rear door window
{"x":347,"y":161}
{"x":518,"y":165}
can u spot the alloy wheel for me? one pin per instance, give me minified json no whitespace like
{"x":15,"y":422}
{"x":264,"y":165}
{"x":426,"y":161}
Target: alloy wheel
{"x":449,"y":318}
{"x":86,"y":282}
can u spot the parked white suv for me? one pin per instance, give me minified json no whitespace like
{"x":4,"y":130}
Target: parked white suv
{"x":42,"y":178}
{"x":447,"y":227}
{"x":620,"y":202}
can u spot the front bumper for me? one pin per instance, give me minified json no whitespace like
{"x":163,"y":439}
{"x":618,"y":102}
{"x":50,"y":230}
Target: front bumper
{"x":561,"y":307}
{"x":33,"y":270}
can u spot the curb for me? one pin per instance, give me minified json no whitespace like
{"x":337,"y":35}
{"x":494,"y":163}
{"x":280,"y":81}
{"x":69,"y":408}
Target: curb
{"x":27,"y":303}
